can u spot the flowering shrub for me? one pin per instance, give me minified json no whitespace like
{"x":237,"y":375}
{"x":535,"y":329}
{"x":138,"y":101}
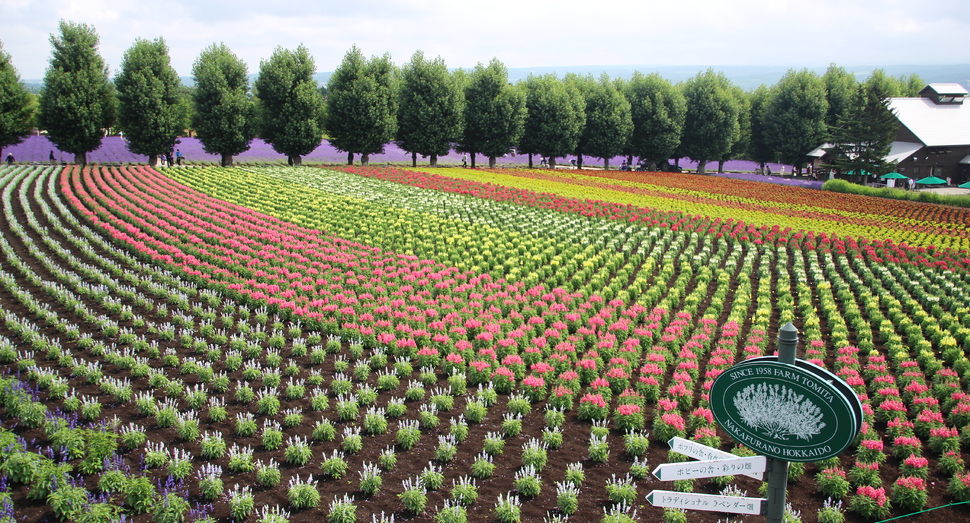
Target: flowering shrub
{"x":909,"y":493}
{"x":831,"y":483}
{"x":870,"y":503}
{"x":593,"y":407}
{"x":669,"y":425}
{"x":628,"y":417}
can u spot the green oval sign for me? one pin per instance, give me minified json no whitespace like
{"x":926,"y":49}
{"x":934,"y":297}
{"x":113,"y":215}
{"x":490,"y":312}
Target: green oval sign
{"x":783,"y":411}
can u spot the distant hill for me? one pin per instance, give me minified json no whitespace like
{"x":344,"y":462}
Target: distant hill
{"x":746,"y":76}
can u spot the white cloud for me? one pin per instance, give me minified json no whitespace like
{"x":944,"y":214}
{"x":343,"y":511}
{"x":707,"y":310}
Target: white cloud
{"x":520,"y":33}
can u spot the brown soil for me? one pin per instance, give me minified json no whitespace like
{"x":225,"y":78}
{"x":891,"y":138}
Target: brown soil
{"x":593,"y":500}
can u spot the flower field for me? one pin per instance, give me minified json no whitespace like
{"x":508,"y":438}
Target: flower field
{"x":303,"y":344}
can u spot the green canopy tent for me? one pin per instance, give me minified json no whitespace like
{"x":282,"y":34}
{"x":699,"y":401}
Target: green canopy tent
{"x":931,"y":180}
{"x":964,"y":185}
{"x":892,"y":177}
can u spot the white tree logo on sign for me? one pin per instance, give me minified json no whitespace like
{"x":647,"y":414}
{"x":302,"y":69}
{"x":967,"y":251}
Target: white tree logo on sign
{"x":779,"y":412}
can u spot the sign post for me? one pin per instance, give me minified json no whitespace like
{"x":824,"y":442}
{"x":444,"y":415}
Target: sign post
{"x":787,"y":410}
{"x":710,"y":468}
{"x":778,"y":468}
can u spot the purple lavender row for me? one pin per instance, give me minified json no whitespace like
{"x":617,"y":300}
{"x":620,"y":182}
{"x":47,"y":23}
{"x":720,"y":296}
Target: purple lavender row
{"x":36,"y":149}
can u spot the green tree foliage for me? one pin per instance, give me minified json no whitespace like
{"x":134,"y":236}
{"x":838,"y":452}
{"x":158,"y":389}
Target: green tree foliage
{"x":431,"y":105}
{"x":555,"y":117}
{"x":225,"y":113}
{"x":911,"y":85}
{"x":609,"y":124}
{"x":864,"y":134}
{"x":658,"y":111}
{"x":77,"y":103}
{"x":739,"y":149}
{"x":711,"y":126}
{"x":840,"y":91}
{"x":759,"y":148}
{"x":290,"y":106}
{"x":152,"y":111}
{"x":494,"y":115}
{"x":16,"y":104}
{"x":794,"y":118}
{"x":362,"y":105}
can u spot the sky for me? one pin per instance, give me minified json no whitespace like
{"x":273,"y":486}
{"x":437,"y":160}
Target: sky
{"x":520,"y":33}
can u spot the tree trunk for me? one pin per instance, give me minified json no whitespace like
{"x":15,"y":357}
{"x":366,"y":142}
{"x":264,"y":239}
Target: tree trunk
{"x":491,"y":162}
{"x":81,"y":159}
{"x":295,"y":160}
{"x":552,"y":162}
{"x":720,"y":166}
{"x":153,"y":160}
{"x":629,"y":161}
{"x":365,"y":159}
{"x":579,"y":161}
{"x":701,"y":165}
{"x":606,"y":164}
{"x":226,"y":160}
{"x":530,"y":160}
{"x":350,"y":158}
{"x":414,"y":159}
{"x":434,"y":160}
{"x":473,"y":160}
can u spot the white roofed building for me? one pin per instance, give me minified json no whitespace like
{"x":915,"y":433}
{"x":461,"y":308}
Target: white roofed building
{"x":933,"y":138}
{"x":934,"y":133}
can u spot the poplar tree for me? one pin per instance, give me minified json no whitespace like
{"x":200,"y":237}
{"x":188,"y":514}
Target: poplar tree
{"x":77,"y":103}
{"x":840,"y":90}
{"x":494,"y":115}
{"x":291,"y":109}
{"x":658,"y":110}
{"x":759,"y":149}
{"x":152,"y":111}
{"x":711,"y":125}
{"x":431,"y":104}
{"x":224,"y":116}
{"x":361,"y":114}
{"x":555,"y":117}
{"x":609,"y":124}
{"x":794,"y":118}
{"x":16,"y":104}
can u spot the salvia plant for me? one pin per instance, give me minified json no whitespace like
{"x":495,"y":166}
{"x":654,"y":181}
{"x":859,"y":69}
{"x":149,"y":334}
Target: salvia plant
{"x":303,"y":494}
{"x":370,"y":479}
{"x":298,"y":451}
{"x":567,"y":497}
{"x":508,"y":509}
{"x":352,"y":442}
{"x":335,"y":466}
{"x":272,"y":434}
{"x":268,"y":474}
{"x":414,"y":496}
{"x":210,"y":481}
{"x":241,"y":458}
{"x":432,"y":477}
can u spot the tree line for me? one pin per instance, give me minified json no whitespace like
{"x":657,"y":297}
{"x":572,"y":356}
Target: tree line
{"x":429,"y":110}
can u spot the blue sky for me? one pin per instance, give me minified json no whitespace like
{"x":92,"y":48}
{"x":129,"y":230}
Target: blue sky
{"x":529,"y":33}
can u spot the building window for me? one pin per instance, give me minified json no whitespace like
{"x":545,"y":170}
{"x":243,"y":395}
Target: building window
{"x":916,"y":169}
{"x":938,"y":171}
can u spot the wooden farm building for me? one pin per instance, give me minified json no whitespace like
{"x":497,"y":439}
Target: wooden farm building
{"x":933,"y":138}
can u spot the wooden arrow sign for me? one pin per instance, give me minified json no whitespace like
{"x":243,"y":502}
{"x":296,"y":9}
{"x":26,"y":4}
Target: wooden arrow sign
{"x":710,"y":468}
{"x":709,"y":502}
{"x":696,"y":450}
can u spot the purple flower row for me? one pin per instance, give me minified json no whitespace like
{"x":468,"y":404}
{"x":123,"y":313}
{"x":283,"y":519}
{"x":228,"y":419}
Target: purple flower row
{"x":36,"y":149}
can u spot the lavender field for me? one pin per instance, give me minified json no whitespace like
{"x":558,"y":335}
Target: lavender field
{"x":36,"y":149}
